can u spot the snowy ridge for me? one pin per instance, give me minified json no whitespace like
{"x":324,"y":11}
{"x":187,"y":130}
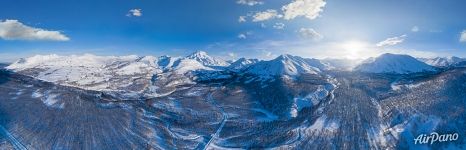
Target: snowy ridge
{"x":207,"y":60}
{"x":442,"y":61}
{"x":119,"y":73}
{"x":183,"y":66}
{"x":88,"y":71}
{"x":393,"y":63}
{"x":113,"y":73}
{"x":242,"y":63}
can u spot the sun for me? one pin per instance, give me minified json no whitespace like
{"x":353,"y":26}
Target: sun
{"x":354,"y":49}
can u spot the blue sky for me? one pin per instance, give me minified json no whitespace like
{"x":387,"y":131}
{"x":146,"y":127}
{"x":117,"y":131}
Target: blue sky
{"x":309,"y":28}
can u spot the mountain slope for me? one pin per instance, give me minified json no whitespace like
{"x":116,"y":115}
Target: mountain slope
{"x":131,"y":75}
{"x":89,"y":71}
{"x":443,"y":61}
{"x":207,"y":60}
{"x":183,"y":66}
{"x":393,"y":63}
{"x":242,"y":63}
{"x":318,"y":64}
{"x":282,"y":65}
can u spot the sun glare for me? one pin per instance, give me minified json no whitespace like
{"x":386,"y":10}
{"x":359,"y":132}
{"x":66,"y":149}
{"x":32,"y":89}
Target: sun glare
{"x":354,"y":49}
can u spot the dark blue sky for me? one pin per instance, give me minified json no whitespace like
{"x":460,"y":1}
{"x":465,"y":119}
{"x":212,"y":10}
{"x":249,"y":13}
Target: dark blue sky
{"x":343,"y":28}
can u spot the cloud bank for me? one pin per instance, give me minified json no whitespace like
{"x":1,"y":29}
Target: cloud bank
{"x":307,"y":8}
{"x":392,"y":41}
{"x":249,"y":2}
{"x":310,"y":33}
{"x":463,"y":36}
{"x":15,"y":30}
{"x":134,"y":12}
{"x":266,"y":15}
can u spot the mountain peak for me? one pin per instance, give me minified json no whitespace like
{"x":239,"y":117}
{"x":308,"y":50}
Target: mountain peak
{"x":393,"y":63}
{"x":285,"y":56}
{"x":443,"y":61}
{"x":242,"y":63}
{"x":283,"y":65}
{"x":198,"y":54}
{"x":206,"y":60}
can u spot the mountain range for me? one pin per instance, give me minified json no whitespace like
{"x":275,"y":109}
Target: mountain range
{"x":203,"y":102}
{"x":71,"y":69}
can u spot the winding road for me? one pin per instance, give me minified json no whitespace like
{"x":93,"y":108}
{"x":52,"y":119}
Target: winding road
{"x":224,"y":120}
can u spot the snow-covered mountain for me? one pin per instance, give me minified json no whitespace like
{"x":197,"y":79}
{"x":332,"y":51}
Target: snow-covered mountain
{"x":283,"y":65}
{"x":113,"y":73}
{"x":442,"y":61}
{"x":116,"y":73}
{"x":242,"y":63}
{"x":183,"y":66}
{"x":166,"y":62}
{"x":207,"y":60}
{"x":393,"y":63}
{"x":89,"y":71}
{"x":177,"y":111}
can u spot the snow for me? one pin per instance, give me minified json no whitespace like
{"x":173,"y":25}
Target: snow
{"x":187,"y":65}
{"x":242,"y":63}
{"x":396,"y":87}
{"x":269,"y":116}
{"x":166,"y":62}
{"x":48,"y":98}
{"x":207,"y":60}
{"x":442,"y":61}
{"x":323,"y":124}
{"x":414,"y":126}
{"x":51,"y":100}
{"x":282,"y":65}
{"x":132,"y":69}
{"x":311,"y":99}
{"x":87,"y":71}
{"x":36,"y":94}
{"x":182,"y":81}
{"x":318,"y":64}
{"x":393,"y":63}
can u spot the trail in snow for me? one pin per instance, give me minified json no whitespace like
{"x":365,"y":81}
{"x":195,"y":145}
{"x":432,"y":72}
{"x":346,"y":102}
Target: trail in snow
{"x":12,"y":139}
{"x":224,"y":120}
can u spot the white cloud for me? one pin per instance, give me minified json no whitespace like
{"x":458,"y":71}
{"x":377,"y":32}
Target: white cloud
{"x":415,"y":29}
{"x":15,"y":30}
{"x":310,"y":33}
{"x":249,"y":2}
{"x":241,"y":19}
{"x":463,"y":36}
{"x":307,"y":8}
{"x":266,"y":15}
{"x":242,"y":36}
{"x":134,"y":12}
{"x":392,"y":41}
{"x":279,"y":25}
